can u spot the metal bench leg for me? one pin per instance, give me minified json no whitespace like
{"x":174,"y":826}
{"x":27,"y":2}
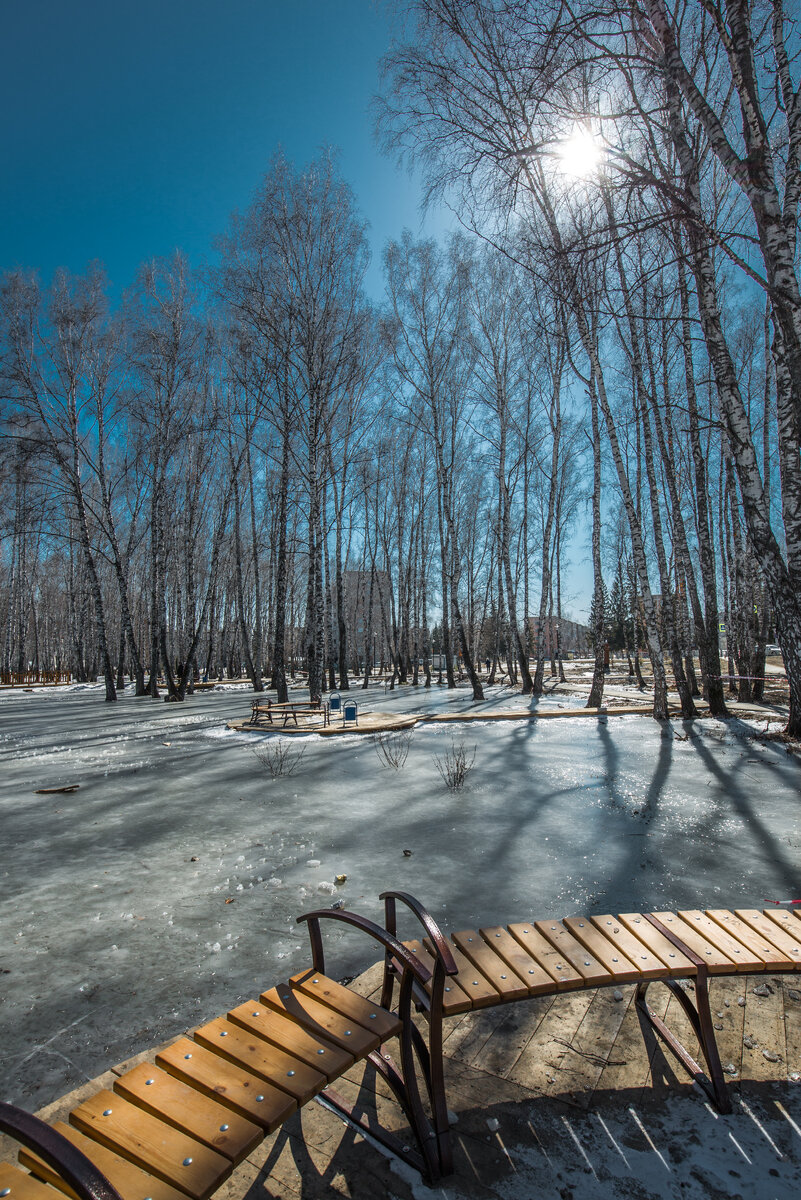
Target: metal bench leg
{"x":700,"y":1018}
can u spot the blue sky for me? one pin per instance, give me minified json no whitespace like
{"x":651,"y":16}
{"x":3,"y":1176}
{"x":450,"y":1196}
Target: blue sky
{"x":132,"y":129}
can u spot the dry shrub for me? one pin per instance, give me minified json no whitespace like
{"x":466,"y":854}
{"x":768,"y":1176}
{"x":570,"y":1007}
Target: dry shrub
{"x":278,"y":756}
{"x":393,"y":748}
{"x":455,"y":764}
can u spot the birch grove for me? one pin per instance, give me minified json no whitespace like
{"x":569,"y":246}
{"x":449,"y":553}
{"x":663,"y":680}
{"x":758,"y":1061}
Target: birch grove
{"x":262,"y":471}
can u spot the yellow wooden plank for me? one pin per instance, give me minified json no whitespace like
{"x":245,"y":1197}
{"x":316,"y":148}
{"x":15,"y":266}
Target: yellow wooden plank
{"x":493,"y":968}
{"x":771,"y":932}
{"x":786,"y":921}
{"x":159,"y":1149}
{"x":182,"y":1106}
{"x":480,"y":990}
{"x":287,"y":1035}
{"x":454,"y":999}
{"x":553,"y":962}
{"x":320,"y":1020}
{"x":230,"y":1085}
{"x":749,"y":937}
{"x":130,"y":1181}
{"x":717,"y":963}
{"x":349,"y":1004}
{"x":592,"y":972}
{"x":676,"y":962}
{"x":537,"y":980}
{"x":633,"y":948}
{"x":620,"y":966}
{"x":19,"y":1185}
{"x":246,"y":1050}
{"x":725,"y":940}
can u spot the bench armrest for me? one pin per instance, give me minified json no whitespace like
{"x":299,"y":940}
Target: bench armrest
{"x":58,"y":1152}
{"x":438,"y":940}
{"x":389,"y":942}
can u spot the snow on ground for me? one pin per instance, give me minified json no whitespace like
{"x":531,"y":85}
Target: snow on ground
{"x":166,"y":888}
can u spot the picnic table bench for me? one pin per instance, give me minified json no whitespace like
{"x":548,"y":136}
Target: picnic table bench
{"x":178,"y":1126}
{"x":283,"y":712}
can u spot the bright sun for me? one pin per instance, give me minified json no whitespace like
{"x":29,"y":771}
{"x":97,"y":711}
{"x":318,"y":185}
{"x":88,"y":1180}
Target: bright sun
{"x":580,"y":155}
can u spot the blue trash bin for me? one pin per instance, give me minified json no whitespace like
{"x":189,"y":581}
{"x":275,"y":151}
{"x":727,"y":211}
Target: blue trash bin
{"x":350,"y":712}
{"x":335,"y":702}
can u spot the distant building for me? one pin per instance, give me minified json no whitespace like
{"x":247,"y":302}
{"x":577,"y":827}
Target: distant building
{"x":573,"y":637}
{"x":356,"y":599}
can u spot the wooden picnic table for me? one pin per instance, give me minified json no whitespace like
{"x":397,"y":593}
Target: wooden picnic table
{"x":286,"y":711}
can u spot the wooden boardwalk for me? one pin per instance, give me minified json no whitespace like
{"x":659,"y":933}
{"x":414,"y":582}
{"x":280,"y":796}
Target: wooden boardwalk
{"x":378,"y":722}
{"x":562,"y":1097}
{"x":369,"y":722}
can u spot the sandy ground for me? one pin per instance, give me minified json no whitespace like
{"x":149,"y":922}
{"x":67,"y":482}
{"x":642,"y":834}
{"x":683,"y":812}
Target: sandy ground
{"x":165,"y":889}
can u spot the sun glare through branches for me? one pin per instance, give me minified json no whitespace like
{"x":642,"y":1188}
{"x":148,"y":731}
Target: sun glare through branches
{"x":581,"y":155}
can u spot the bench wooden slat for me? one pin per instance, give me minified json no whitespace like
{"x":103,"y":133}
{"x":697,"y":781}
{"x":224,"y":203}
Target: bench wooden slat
{"x":553,"y":962}
{"x":254,"y":1054}
{"x":287,"y":1035}
{"x":592,"y":972}
{"x":478,"y":989}
{"x":676,"y":962}
{"x":182,"y":1106}
{"x":19,"y":1185}
{"x":494,"y":969}
{"x":320,"y":1020}
{"x":786,"y":921}
{"x":349,"y":1004}
{"x":130,"y":1181}
{"x":622,"y":968}
{"x":717,"y":963}
{"x":771,"y":932}
{"x":749,"y":937}
{"x":159,"y":1149}
{"x":455,"y":999}
{"x":537,"y":980}
{"x":616,"y":933}
{"x":230,"y":1085}
{"x":726,"y":940}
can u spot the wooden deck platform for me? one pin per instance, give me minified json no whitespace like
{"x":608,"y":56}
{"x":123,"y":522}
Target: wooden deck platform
{"x":531,"y":714}
{"x":561,"y":1097}
{"x":377,"y":722}
{"x":369,"y":722}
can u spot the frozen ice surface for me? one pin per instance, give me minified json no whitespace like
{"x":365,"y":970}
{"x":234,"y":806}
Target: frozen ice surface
{"x":557,"y":817}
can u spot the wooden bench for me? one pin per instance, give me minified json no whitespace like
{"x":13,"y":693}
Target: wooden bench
{"x":479,"y":968}
{"x":177,"y":1127}
{"x":275,"y":712}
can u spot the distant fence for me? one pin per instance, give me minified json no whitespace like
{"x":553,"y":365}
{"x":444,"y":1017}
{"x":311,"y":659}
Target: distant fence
{"x":29,"y":678}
